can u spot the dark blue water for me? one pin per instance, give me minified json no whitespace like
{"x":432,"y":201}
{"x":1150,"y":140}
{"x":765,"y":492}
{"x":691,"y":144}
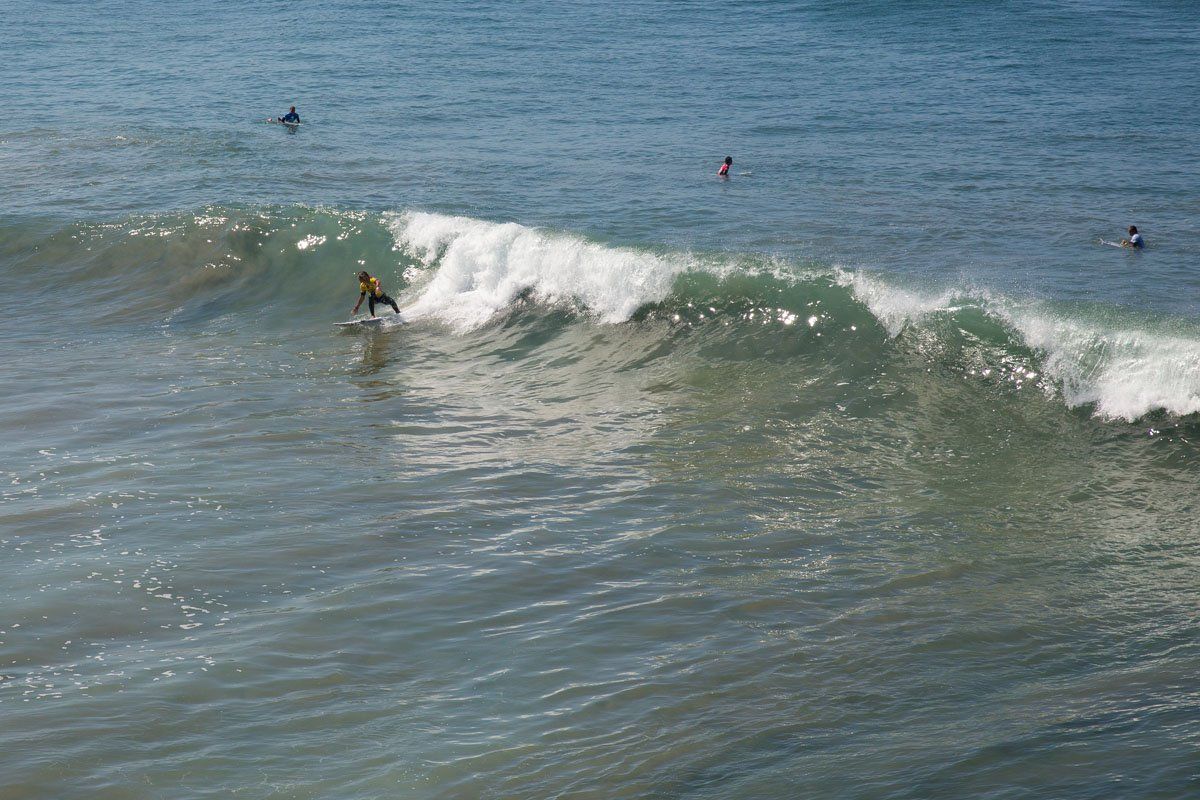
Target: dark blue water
{"x":993,"y":143}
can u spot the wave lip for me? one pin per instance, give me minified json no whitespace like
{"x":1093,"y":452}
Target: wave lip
{"x":1124,"y":373}
{"x":1123,"y":368}
{"x":483,"y":267}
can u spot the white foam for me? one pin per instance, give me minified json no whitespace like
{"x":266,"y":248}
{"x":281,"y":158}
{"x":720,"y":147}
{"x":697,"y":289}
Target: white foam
{"x":482,"y":267}
{"x":1124,"y":370}
{"x":895,"y":308}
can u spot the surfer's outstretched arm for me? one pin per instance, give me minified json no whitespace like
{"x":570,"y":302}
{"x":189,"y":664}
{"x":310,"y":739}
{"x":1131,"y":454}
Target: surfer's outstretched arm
{"x":354,"y":310}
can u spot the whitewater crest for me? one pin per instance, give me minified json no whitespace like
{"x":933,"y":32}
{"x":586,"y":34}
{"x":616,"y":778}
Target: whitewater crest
{"x":1122,"y":367}
{"x":1125,"y":373}
{"x":482,"y":267}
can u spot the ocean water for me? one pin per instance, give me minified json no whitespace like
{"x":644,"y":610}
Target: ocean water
{"x":865,"y":473}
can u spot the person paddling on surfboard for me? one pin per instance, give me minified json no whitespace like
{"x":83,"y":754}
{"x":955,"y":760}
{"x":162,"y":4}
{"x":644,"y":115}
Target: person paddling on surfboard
{"x":724,"y":170}
{"x":1135,"y":239}
{"x":290,"y":117}
{"x":371,"y":289}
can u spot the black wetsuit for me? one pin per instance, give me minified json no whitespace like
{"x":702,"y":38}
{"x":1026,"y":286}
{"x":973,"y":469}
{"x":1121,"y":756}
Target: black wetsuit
{"x":368,"y":288}
{"x":383,"y":298}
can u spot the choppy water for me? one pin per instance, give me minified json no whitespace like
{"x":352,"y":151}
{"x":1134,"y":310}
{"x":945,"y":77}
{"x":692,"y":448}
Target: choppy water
{"x":866,"y":474}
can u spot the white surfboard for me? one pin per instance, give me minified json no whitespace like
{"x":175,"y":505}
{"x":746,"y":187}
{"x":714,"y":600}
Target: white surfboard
{"x":1111,"y":244}
{"x":275,"y":121}
{"x":364,"y":323}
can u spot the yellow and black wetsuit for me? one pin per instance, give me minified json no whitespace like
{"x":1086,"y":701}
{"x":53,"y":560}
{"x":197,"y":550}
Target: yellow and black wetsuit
{"x":374,"y":291}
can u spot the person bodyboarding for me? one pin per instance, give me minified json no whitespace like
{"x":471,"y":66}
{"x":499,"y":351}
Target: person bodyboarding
{"x":370,"y":288}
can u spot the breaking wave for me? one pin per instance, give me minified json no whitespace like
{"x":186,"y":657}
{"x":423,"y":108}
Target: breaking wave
{"x":467,"y":274}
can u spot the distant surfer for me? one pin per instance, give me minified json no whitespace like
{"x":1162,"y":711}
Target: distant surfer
{"x":1135,"y":239}
{"x":290,"y":118}
{"x":724,"y":170}
{"x":371,"y":289}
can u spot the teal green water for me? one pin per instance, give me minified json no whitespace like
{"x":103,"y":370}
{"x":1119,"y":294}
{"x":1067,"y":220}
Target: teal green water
{"x":818,"y":482}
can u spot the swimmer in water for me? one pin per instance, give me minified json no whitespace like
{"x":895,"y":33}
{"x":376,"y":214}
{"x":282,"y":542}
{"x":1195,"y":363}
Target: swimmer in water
{"x":1135,"y":239}
{"x":724,"y":170}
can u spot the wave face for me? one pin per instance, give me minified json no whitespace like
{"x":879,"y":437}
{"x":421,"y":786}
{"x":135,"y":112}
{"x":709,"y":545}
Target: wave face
{"x":1123,"y":366}
{"x":294,"y":267}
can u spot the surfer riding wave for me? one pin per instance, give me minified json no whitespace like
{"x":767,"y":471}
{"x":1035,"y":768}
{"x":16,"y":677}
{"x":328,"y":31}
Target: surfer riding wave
{"x":370,"y":288}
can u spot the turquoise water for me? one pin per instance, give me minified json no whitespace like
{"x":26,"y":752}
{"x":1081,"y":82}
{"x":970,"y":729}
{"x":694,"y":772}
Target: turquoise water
{"x":867,"y":473}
